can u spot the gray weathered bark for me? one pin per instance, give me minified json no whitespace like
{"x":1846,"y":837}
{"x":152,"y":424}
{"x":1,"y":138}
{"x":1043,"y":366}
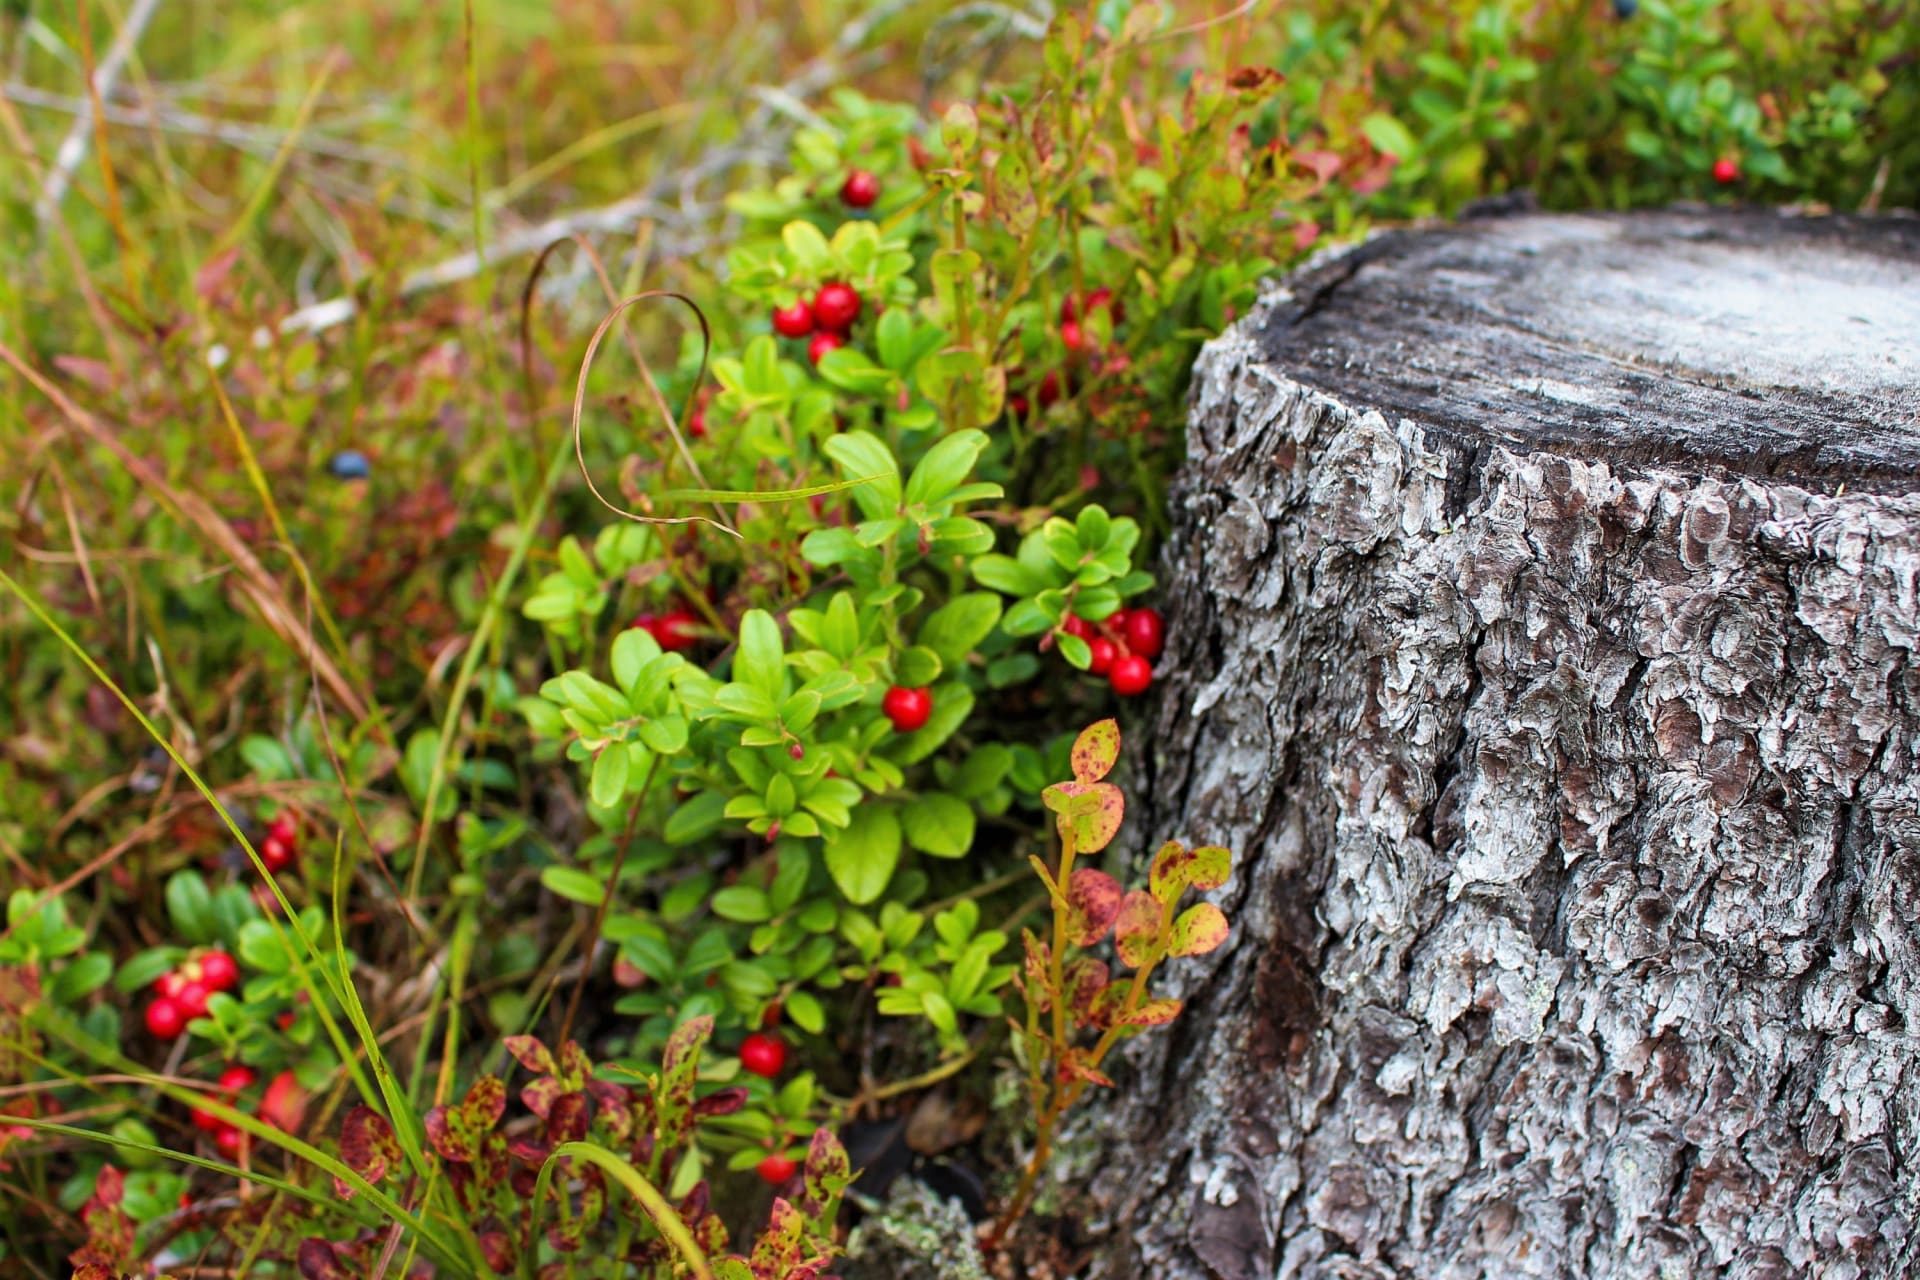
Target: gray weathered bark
{"x":1544,"y":602}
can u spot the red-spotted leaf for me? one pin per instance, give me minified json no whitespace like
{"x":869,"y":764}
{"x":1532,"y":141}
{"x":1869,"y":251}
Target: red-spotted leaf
{"x":1085,"y":978}
{"x":1153,"y":1013}
{"x":1211,"y":866}
{"x":367,"y":1146}
{"x":1200,"y":929}
{"x":1176,"y":868}
{"x":575,"y":1065}
{"x":1090,"y":812}
{"x":318,"y":1261}
{"x":1095,"y":750}
{"x":1038,"y":958}
{"x":828,"y":1171}
{"x":721,"y":1102}
{"x":1075,"y":1067}
{"x":496,"y":1246}
{"x":777,"y":1251}
{"x":1093,"y":900}
{"x":568,"y":1118}
{"x":486,"y":1102}
{"x":1137,"y":931}
{"x":539,"y":1095}
{"x":612,"y":1107}
{"x":531,"y":1054}
{"x":448,"y":1134}
{"x":679,"y":1066}
{"x":1107,"y":1004}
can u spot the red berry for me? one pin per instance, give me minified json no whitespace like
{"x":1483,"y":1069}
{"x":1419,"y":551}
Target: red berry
{"x":860,"y":189}
{"x":795,"y":321}
{"x":1048,"y":391}
{"x":836,"y":307}
{"x":697,"y":424}
{"x":1073,"y":337}
{"x":763,"y":1054}
{"x":1145,"y":633}
{"x":169,"y":984}
{"x":164,"y":1019}
{"x":192,"y":999}
{"x":285,"y":828}
{"x":1726,"y":170}
{"x":218,"y":970}
{"x":235,"y":1078}
{"x":1104,"y":653}
{"x":1075,"y":625}
{"x":1070,"y":308}
{"x":676,"y":629}
{"x":1130,"y":676}
{"x":230,"y":1141}
{"x":206,"y":1121}
{"x":775,"y":1170}
{"x":276,"y":854}
{"x":823,"y":343}
{"x":907,"y":708}
{"x":285,"y":1020}
{"x":1018,"y":405}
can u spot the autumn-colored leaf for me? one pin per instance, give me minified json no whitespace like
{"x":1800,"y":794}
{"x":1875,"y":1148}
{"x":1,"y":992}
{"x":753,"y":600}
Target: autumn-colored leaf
{"x":1255,"y":82}
{"x":496,"y":1246}
{"x":827,"y":1172}
{"x":721,"y":1102}
{"x":1176,"y":868}
{"x":1090,"y":812}
{"x":568,"y":1118}
{"x":367,"y":1146}
{"x":1036,"y":968}
{"x":1095,"y":750}
{"x":777,"y":1251}
{"x":1200,"y":929}
{"x":318,"y":1261}
{"x":1137,"y":931}
{"x":486,"y":1102}
{"x":1093,"y":900}
{"x":1075,"y":1067}
{"x":538,"y":1095}
{"x":1085,"y":978}
{"x":575,"y":1065}
{"x":1153,"y":1013}
{"x":531,"y":1054}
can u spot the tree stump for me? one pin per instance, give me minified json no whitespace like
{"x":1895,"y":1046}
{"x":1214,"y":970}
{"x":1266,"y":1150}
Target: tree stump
{"x":1544,"y":598}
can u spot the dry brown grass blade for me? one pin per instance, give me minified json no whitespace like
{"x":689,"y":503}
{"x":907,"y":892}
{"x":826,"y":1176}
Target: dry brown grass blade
{"x":258,"y":587}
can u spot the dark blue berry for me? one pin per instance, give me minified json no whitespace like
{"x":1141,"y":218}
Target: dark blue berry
{"x":1625,"y":8}
{"x":350,"y":464}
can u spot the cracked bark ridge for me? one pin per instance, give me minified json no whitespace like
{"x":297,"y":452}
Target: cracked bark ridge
{"x":1544,"y":597}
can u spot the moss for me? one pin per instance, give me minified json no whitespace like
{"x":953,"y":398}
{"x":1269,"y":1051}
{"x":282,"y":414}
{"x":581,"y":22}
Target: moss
{"x":916,"y":1236}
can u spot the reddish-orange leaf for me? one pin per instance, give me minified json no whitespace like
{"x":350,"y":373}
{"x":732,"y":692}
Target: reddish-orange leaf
{"x":1137,"y":931}
{"x":1093,"y":900}
{"x":1153,"y":1013}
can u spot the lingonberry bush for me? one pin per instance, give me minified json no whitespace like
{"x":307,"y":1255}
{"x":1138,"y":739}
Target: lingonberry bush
{"x":447,"y":841}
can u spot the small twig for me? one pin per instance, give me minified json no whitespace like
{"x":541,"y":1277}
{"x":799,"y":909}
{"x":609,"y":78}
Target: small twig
{"x":73,"y":148}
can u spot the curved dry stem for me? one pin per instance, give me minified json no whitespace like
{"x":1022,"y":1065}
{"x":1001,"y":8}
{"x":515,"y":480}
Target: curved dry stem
{"x":659,"y":400}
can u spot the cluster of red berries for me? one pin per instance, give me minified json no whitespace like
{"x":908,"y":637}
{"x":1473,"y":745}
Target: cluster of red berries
{"x":282,"y":844}
{"x":766,"y":1055}
{"x":1123,"y":647}
{"x":827,"y":317}
{"x":1079,"y":345}
{"x":907,"y":708}
{"x":181,"y":995}
{"x":675,"y":630}
{"x":228,"y":1138}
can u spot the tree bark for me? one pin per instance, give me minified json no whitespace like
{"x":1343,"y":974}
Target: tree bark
{"x":1544,"y":597}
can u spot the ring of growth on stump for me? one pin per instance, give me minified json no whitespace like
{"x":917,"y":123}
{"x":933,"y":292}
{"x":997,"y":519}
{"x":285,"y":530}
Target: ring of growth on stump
{"x":1545,"y":598}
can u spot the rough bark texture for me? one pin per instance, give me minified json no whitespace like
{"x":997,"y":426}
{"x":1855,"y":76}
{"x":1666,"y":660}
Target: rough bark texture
{"x":1545,"y":597}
